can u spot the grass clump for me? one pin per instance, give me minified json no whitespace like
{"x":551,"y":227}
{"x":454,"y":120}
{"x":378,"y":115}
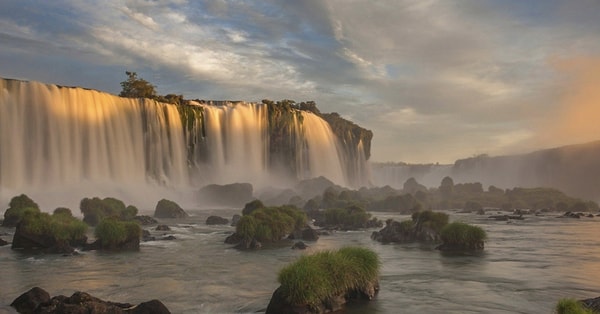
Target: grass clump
{"x":60,"y":226}
{"x":313,"y":279}
{"x":351,"y":217}
{"x":112,"y":233}
{"x":430,"y":219}
{"x":462,"y":235}
{"x":571,"y":306}
{"x":95,"y":209}
{"x":269,"y":224}
{"x":18,"y":207}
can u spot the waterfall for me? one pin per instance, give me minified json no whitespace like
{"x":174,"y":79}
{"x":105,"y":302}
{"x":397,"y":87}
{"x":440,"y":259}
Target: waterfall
{"x":60,"y":144}
{"x":236,"y":143}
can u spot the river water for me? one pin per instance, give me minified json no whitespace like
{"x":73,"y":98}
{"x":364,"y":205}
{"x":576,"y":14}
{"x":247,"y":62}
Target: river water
{"x":526,"y":267}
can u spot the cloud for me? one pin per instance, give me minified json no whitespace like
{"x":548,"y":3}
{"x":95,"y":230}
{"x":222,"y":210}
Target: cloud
{"x":575,"y":118}
{"x":435,"y":80}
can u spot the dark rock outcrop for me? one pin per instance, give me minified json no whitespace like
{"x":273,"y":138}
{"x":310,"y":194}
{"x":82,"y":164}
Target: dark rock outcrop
{"x":306,"y":234}
{"x":299,"y":246}
{"x":30,"y":300}
{"x":231,"y":195}
{"x":592,"y":304}
{"x":169,"y":209}
{"x":145,"y":220}
{"x":25,"y":240}
{"x":235,"y":219}
{"x":279,"y":305}
{"x":162,"y":228}
{"x":3,"y":243}
{"x":37,"y":300}
{"x":216,"y":220}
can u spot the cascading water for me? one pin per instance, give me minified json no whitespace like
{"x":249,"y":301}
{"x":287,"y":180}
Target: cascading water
{"x":236,"y":143}
{"x":60,"y":144}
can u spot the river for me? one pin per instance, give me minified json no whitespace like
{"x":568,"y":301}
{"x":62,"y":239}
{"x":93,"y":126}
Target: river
{"x":526,"y":267}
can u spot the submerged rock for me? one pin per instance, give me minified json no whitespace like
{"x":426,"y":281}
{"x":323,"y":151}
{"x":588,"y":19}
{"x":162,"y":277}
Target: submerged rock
{"x":37,"y":300}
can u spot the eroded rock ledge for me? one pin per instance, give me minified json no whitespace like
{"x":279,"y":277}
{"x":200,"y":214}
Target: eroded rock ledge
{"x":38,"y":300}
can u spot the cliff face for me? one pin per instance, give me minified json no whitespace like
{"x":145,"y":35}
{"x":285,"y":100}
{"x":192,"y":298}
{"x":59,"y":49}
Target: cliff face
{"x":290,"y":122}
{"x":573,"y":169}
{"x":58,"y":136}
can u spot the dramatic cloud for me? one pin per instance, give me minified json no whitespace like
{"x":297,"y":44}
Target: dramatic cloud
{"x":435,"y":80}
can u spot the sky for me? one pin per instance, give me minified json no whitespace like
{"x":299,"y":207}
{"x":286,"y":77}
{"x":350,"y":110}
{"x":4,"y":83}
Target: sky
{"x":435,"y":80}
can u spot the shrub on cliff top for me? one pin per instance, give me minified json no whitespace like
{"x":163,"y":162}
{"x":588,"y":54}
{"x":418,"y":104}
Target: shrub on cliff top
{"x":270,"y":223}
{"x":314,"y":278}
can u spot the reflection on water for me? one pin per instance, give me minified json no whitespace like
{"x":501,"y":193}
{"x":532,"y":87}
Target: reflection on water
{"x":526,"y":267}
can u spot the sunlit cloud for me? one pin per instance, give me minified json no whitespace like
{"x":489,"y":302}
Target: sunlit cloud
{"x":435,"y":80}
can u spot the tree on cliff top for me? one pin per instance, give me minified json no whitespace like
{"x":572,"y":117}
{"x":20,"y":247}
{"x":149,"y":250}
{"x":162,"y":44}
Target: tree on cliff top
{"x":135,"y":87}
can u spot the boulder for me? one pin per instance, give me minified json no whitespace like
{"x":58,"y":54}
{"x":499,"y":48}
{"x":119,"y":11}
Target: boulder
{"x":150,"y":307}
{"x":3,"y":243}
{"x":216,"y":220}
{"x":162,"y":228}
{"x":235,"y":219}
{"x":30,"y":300}
{"x":299,"y":246}
{"x":592,"y":304}
{"x":169,"y":209}
{"x":46,"y":243}
{"x":306,"y":234}
{"x":234,"y":238}
{"x":278,"y":303}
{"x":146,"y":236}
{"x":231,"y":195}
{"x":37,"y":300}
{"x":145,"y":220}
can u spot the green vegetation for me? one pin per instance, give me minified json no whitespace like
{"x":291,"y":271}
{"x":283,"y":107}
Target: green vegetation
{"x":60,"y":226}
{"x":252,"y":206}
{"x":433,"y":220}
{"x":467,"y":196}
{"x":95,"y":209}
{"x":313,"y":279}
{"x":571,"y":306}
{"x":112,"y":232}
{"x":18,"y":207}
{"x":269,"y":224}
{"x":135,"y":87}
{"x":459,"y":235}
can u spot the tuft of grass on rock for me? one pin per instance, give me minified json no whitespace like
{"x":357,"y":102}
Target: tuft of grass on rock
{"x":463,"y":235}
{"x":312,"y":279}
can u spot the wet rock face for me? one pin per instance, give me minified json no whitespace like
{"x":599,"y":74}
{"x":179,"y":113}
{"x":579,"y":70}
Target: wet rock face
{"x":169,"y":209}
{"x":279,"y":304}
{"x":37,"y":300}
{"x":216,"y":220}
